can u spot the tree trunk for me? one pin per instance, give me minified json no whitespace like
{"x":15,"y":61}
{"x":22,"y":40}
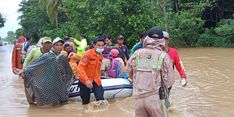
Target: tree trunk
{"x":175,"y":6}
{"x":164,"y":11}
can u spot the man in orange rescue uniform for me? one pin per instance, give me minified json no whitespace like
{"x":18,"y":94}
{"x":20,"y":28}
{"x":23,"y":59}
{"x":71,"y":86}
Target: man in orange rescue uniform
{"x":89,"y":72}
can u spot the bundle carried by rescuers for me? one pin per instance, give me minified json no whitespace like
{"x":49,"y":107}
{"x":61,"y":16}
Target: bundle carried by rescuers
{"x":55,"y":71}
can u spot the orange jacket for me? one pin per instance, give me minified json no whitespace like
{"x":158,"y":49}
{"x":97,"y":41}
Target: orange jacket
{"x":16,"y":62}
{"x":89,"y":67}
{"x":74,"y":59}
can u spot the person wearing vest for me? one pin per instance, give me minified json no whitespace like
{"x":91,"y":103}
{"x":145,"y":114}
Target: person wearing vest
{"x":89,"y":72}
{"x":16,"y":61}
{"x":81,"y":45}
{"x":150,"y":68}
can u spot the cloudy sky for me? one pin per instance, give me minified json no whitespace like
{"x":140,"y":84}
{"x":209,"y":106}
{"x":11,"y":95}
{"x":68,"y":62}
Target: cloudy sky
{"x":8,"y":8}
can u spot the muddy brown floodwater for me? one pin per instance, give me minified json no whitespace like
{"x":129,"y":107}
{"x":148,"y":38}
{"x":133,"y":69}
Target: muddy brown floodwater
{"x":209,"y":93}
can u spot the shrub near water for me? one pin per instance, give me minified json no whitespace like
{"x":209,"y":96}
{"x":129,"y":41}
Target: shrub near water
{"x":221,"y":36}
{"x":185,"y":23}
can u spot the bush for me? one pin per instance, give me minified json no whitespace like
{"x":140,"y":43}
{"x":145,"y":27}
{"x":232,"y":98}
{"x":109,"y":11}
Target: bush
{"x":207,"y":39}
{"x":225,"y":29}
{"x":185,"y":28}
{"x":221,"y":36}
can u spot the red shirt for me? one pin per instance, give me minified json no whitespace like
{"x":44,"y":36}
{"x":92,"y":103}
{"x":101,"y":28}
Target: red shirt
{"x":175,"y":59}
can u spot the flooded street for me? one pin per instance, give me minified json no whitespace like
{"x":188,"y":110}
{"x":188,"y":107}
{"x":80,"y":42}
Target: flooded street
{"x":209,"y":92}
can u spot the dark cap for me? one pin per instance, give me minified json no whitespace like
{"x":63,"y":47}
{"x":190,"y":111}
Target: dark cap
{"x":120,"y":37}
{"x":155,"y":32}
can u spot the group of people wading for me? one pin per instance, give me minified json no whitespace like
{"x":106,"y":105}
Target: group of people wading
{"x":49,"y":68}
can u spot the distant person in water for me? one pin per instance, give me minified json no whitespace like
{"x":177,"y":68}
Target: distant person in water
{"x":16,"y":59}
{"x":175,"y":58}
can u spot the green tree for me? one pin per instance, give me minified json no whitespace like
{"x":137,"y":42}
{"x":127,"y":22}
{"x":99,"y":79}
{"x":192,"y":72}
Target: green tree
{"x":10,"y":36}
{"x":220,"y":36}
{"x":19,"y":31}
{"x":186,"y":25}
{"x":225,"y":29}
{"x":183,"y":19}
{"x":112,"y":17}
{"x":33,"y":19}
{"x":51,"y":7}
{"x":216,"y":11}
{"x":2,"y":21}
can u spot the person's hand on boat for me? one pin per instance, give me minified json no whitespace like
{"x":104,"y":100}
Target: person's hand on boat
{"x":89,"y":84}
{"x":183,"y":82}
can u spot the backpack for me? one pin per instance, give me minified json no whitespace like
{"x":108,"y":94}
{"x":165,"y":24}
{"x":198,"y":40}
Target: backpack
{"x":115,"y":69}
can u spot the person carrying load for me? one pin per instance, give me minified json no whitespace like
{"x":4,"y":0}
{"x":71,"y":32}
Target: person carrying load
{"x":49,"y":77}
{"x":35,"y":53}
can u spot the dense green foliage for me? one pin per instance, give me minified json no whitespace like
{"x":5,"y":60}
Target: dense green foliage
{"x":10,"y":36}
{"x":34,"y":19}
{"x":220,"y":36}
{"x":2,"y":21}
{"x":186,"y":20}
